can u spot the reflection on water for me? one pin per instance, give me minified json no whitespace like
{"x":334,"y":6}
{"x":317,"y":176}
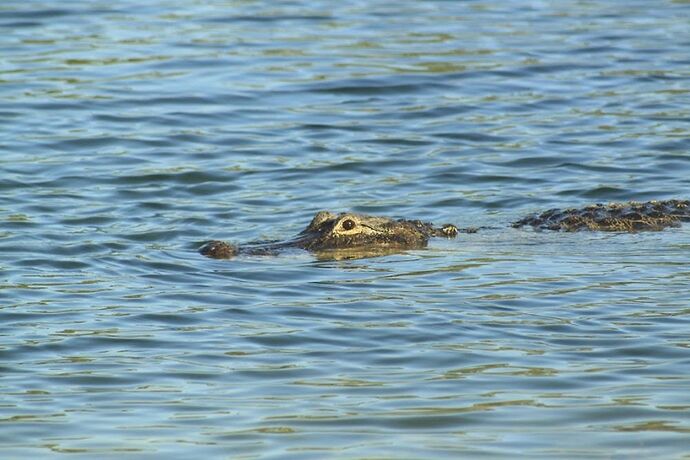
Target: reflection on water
{"x":132,"y":134}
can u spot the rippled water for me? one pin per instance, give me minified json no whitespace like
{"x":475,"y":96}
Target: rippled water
{"x":132,"y":133}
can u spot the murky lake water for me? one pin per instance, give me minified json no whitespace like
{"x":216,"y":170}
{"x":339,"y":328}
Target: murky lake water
{"x":133,"y":132}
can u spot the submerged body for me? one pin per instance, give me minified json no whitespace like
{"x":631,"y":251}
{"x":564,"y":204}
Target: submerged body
{"x":352,"y":235}
{"x":344,"y":235}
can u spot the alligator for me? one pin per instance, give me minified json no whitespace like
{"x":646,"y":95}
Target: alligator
{"x":353,"y":235}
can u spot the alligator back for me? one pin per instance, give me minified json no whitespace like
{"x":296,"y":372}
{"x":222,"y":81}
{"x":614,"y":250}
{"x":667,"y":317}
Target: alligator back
{"x":614,"y":217}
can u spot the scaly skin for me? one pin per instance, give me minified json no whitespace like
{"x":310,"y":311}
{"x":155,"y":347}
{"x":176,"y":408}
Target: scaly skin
{"x":614,"y":217}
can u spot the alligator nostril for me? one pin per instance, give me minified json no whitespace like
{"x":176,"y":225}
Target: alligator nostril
{"x":218,"y":250}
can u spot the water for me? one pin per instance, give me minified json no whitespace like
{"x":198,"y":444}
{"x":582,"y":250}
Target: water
{"x":132,"y":133}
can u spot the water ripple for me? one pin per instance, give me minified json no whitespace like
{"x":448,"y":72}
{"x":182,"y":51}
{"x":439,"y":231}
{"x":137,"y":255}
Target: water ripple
{"x":135,"y":135}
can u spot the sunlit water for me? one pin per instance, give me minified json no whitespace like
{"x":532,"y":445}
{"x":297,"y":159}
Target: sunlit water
{"x":132,"y":132}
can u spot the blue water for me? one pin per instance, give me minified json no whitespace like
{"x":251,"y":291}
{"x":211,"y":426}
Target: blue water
{"x":133,"y":132}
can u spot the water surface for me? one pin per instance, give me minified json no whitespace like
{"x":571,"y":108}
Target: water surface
{"x":132,"y":133}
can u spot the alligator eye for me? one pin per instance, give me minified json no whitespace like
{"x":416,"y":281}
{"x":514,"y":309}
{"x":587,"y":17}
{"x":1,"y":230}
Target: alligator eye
{"x":349,"y":224}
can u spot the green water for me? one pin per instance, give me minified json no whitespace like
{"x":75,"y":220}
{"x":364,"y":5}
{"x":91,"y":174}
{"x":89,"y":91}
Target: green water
{"x":133,"y":132}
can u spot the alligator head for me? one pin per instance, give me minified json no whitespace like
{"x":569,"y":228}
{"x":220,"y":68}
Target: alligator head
{"x":347,"y":234}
